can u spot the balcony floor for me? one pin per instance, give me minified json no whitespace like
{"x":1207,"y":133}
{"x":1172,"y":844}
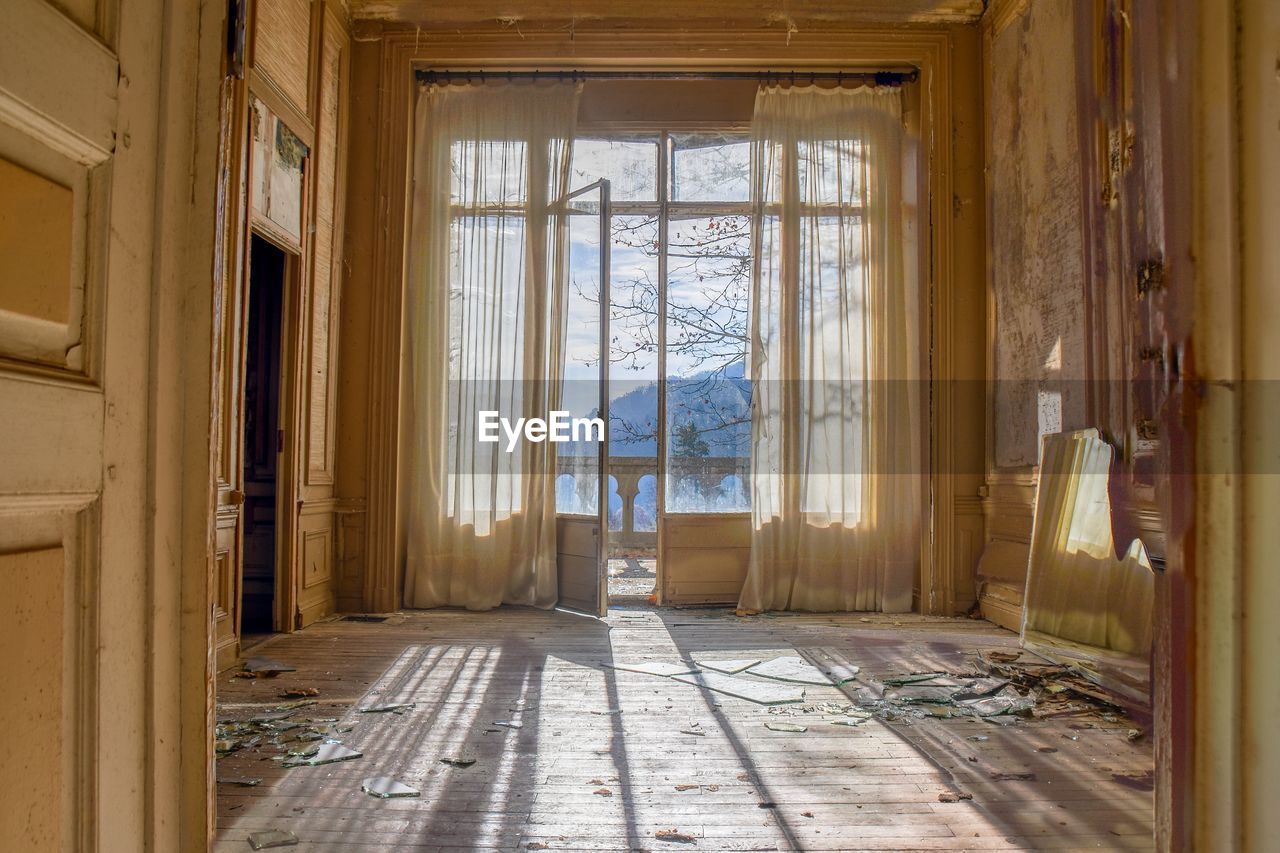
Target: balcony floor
{"x":580,"y":775}
{"x":632,"y":577}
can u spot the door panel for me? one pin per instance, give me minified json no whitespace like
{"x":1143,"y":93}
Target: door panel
{"x":702,"y":559}
{"x":77,"y":201}
{"x":579,"y":551}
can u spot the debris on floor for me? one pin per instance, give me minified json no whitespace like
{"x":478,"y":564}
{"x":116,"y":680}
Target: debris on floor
{"x":508,"y":724}
{"x":299,"y":692}
{"x":674,"y":835}
{"x":386,"y":788}
{"x":458,"y":762}
{"x":784,"y":727}
{"x":269,"y":838}
{"x":398,"y":709}
{"x":263,"y":668}
{"x":602,"y":792}
{"x":326,"y":753}
{"x":954,"y":796}
{"x":1141,"y":782}
{"x":1005,"y":684}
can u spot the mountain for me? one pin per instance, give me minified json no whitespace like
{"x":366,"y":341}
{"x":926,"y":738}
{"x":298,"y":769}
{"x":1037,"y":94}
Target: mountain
{"x":718,"y":405}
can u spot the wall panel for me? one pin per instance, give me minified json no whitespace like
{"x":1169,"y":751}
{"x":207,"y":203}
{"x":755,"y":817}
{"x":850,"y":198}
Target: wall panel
{"x":281,"y":48}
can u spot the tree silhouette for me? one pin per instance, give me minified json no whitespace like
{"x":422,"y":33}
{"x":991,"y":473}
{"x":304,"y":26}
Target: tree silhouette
{"x":687,"y":442}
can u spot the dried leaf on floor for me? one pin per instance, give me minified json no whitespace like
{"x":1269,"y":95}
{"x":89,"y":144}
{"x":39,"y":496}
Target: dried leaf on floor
{"x":454,"y":761}
{"x":1140,"y":782}
{"x":674,"y":835}
{"x":299,"y":692}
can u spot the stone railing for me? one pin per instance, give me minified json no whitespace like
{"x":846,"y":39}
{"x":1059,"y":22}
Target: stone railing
{"x":627,"y":471}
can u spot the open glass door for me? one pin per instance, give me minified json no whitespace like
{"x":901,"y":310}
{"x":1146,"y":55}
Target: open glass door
{"x":582,"y":477}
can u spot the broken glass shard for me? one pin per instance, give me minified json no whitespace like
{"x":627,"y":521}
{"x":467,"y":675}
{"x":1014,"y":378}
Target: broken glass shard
{"x":269,"y":838}
{"x":386,"y":788}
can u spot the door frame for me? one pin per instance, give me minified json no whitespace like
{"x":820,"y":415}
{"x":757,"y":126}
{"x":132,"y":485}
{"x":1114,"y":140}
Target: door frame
{"x":284,"y":615}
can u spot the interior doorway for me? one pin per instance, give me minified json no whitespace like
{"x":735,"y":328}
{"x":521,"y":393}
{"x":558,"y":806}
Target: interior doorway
{"x":263,"y":438}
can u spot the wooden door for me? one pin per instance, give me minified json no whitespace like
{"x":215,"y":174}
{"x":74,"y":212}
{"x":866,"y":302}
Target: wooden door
{"x":78,"y":195}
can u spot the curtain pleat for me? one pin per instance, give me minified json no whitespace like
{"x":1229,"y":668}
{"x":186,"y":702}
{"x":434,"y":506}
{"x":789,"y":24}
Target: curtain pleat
{"x":836,"y":496}
{"x":486,"y":280}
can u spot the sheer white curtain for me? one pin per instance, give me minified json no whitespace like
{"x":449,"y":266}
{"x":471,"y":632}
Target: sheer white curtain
{"x":485,"y":333}
{"x":836,"y":418}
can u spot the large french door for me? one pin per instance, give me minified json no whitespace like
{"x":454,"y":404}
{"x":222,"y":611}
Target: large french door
{"x":582,"y":472}
{"x":680,"y":229}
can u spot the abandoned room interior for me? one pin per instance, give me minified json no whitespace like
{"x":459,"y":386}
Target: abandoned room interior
{"x":585,"y":425}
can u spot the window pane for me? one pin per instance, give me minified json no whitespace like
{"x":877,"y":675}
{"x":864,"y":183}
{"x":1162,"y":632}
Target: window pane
{"x":487,"y":172}
{"x":831,"y":171}
{"x":630,"y":165}
{"x":633,"y":333}
{"x":578,"y":462}
{"x":482,"y":478}
{"x":708,"y":381}
{"x":710,"y":167}
{"x":833,"y":367}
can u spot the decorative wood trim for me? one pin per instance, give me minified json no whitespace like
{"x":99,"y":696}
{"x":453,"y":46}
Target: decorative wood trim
{"x":928,"y":49}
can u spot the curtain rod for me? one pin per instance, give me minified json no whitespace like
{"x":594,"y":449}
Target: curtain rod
{"x":878,"y":78}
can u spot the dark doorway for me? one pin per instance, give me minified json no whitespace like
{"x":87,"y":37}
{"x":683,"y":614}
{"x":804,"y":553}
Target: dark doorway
{"x":262,"y":436}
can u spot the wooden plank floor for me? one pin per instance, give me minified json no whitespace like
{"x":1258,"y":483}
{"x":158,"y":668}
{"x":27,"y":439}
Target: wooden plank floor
{"x":741,"y":786}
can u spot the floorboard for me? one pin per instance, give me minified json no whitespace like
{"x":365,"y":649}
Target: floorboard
{"x":586,"y":727}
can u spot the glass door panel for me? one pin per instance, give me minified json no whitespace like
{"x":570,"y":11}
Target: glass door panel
{"x":708,"y":383}
{"x":581,"y":485}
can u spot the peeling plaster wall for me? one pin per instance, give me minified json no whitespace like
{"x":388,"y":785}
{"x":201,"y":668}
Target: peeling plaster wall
{"x":1036,"y":232}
